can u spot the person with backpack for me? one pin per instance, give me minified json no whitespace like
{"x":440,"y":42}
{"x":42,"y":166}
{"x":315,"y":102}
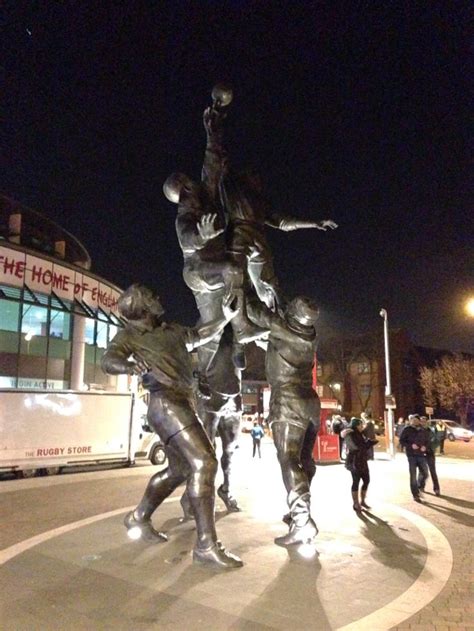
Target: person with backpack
{"x":358,"y":450}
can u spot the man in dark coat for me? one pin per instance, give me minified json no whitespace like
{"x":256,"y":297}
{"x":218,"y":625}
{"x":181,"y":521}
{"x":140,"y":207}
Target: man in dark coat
{"x":430,"y":456}
{"x":416,"y":442}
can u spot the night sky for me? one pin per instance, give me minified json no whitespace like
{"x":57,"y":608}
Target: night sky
{"x":355,"y":111}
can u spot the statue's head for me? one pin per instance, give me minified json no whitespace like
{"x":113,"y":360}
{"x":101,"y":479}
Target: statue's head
{"x":177,"y":184}
{"x":138,"y":302}
{"x":302,"y":311}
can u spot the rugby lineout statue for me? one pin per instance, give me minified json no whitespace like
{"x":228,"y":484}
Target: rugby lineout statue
{"x":210,"y":272}
{"x":228,"y":265}
{"x":159,"y":353}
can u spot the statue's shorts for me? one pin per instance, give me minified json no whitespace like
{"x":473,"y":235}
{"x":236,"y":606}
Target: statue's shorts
{"x":170,"y":412}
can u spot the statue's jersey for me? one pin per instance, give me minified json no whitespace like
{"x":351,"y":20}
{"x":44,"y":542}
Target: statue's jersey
{"x":163,"y":349}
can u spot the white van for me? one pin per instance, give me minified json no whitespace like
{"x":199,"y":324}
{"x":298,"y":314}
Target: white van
{"x":42,"y":432}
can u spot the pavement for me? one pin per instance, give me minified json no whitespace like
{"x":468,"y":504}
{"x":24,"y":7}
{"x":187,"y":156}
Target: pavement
{"x":67,"y":564}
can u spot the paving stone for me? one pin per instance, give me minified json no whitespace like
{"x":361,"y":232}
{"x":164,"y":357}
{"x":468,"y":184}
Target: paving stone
{"x":93,"y":578}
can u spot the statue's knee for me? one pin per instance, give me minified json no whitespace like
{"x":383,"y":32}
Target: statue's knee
{"x":284,"y":459}
{"x":206,"y":467}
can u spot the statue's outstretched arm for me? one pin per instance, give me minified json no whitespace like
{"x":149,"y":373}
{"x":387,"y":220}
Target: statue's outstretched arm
{"x":260,"y":314}
{"x":206,"y":332}
{"x":287,"y":223}
{"x":215,"y":155}
{"x":115,"y":360}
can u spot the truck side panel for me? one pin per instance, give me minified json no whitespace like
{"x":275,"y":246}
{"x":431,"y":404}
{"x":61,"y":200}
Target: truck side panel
{"x":49,"y":429}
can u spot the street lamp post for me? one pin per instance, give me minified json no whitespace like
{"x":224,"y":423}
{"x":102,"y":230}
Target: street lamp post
{"x":389,"y":403}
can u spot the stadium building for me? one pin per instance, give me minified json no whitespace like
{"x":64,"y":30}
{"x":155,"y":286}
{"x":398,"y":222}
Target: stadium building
{"x":56,"y":316}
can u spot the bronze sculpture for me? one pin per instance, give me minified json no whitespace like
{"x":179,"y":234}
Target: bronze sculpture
{"x":294,"y":406}
{"x":224,"y":246}
{"x":220,"y":227}
{"x":158,"y":351}
{"x":209,"y":271}
{"x":248,"y":212}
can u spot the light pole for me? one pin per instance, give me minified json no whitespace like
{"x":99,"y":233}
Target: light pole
{"x":389,"y":402}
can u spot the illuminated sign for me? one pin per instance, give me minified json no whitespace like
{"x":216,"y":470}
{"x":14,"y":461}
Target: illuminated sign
{"x":18,"y":269}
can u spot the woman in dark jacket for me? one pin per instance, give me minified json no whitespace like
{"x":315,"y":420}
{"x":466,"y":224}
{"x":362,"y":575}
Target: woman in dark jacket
{"x":358,"y":451}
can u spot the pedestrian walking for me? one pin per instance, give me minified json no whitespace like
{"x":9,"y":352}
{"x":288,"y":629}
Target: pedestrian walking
{"x":416,"y":442}
{"x":430,"y":456}
{"x":257,"y":433}
{"x":358,"y":447}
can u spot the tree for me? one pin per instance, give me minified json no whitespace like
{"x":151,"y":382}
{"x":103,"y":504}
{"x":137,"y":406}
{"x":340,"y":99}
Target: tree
{"x":450,"y":384}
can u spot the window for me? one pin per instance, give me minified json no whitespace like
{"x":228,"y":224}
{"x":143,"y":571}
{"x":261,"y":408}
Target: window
{"x":34,"y":320}
{"x":363,"y":368}
{"x":9,"y":342}
{"x":36,"y":341}
{"x":112,"y":331}
{"x":89,"y":333}
{"x":101,"y":334}
{"x":9,"y":315}
{"x":60,"y":325}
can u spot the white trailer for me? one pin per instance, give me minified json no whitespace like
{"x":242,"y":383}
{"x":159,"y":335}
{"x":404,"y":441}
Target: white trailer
{"x":43,"y":431}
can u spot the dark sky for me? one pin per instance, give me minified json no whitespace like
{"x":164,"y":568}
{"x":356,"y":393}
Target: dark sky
{"x":356,"y":111}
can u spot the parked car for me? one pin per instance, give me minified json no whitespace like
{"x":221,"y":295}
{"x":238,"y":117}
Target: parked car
{"x":454,"y":431}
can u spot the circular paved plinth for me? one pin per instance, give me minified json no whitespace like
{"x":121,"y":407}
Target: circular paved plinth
{"x":377,"y":570}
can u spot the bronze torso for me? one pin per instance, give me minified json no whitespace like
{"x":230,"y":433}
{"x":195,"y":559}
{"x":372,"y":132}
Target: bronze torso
{"x":164,"y":349}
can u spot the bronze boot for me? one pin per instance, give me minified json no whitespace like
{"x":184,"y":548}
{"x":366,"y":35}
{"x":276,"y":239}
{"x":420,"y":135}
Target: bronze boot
{"x":208,"y":550}
{"x":302,"y":527}
{"x":229,"y":501}
{"x":142,"y":529}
